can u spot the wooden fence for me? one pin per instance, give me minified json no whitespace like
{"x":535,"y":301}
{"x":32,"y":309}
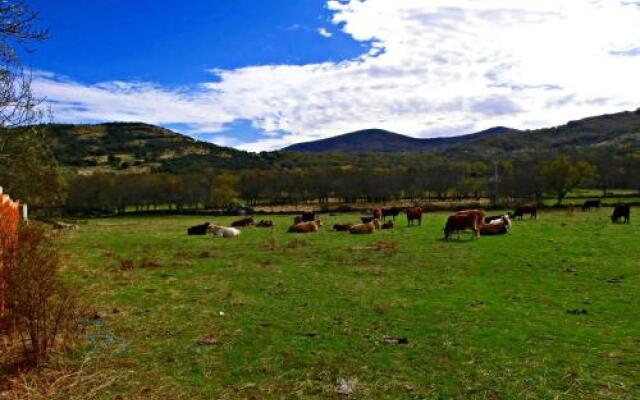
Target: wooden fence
{"x":9,"y":221}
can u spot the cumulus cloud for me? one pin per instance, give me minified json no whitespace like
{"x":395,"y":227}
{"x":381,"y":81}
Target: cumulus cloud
{"x":430,"y":69}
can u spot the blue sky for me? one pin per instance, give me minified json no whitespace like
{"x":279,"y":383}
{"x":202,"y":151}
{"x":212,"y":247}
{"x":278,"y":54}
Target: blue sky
{"x":261,"y":75}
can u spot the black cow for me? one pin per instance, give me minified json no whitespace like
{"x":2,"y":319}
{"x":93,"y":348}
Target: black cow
{"x":390,"y":212}
{"x":622,"y":211}
{"x":198,"y":229}
{"x":589,"y":204}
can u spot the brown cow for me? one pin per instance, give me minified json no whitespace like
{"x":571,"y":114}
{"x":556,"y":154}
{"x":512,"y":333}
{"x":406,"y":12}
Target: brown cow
{"x":496,"y":227}
{"x":457,"y":223}
{"x":304,"y":227}
{"x":242,"y":222}
{"x":413,"y":214}
{"x":365,"y":228}
{"x":479,"y":214}
{"x":531,"y":210}
{"x":377,"y":213}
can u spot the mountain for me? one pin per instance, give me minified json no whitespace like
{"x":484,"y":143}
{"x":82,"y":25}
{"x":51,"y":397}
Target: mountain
{"x":613,"y":129}
{"x":138,"y":147}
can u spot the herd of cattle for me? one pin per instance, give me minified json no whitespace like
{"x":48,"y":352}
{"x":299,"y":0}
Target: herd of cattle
{"x":475,"y":221}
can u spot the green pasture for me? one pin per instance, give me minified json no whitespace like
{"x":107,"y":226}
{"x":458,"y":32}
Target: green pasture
{"x":550,"y":311}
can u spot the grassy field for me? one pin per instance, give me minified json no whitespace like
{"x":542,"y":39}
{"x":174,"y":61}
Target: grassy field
{"x":551,"y":310}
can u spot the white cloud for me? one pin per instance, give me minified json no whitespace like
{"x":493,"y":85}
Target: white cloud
{"x":436,"y":68}
{"x":324,"y":32}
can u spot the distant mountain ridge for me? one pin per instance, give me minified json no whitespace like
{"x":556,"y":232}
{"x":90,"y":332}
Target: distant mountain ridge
{"x":606,"y":129}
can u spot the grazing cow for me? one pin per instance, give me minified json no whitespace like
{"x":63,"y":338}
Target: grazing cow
{"x":530,"y":210}
{"x":342,"y":227}
{"x":365,"y":228}
{"x":622,"y":211}
{"x":388,"y":225}
{"x":198,"y":229}
{"x":304,"y":227}
{"x":265,"y":224}
{"x":390,"y":212}
{"x":242,"y":222}
{"x":589,"y":204}
{"x":461,"y":222}
{"x":414,"y":214}
{"x":478,"y":214}
{"x":366,"y":219}
{"x":223,"y":231}
{"x":377,"y":213}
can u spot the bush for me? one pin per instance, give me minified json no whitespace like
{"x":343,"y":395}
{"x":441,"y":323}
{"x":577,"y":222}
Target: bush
{"x":40,"y":310}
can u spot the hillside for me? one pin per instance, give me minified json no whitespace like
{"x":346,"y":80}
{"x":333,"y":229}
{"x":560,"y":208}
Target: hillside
{"x":138,"y":147}
{"x":621,"y":129}
{"x":382,"y":141}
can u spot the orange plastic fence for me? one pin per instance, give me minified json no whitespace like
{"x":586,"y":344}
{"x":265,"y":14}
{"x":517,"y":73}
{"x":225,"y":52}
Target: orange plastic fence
{"x":9,"y":222}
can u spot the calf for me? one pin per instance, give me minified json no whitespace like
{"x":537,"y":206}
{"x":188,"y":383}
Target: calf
{"x":388,"y":225}
{"x":342,"y":227}
{"x":242,"y":222}
{"x":198,"y":229}
{"x":265,"y":224}
{"x":589,"y":204}
{"x":222,"y":231}
{"x":622,"y":211}
{"x":457,"y":223}
{"x":496,"y":227}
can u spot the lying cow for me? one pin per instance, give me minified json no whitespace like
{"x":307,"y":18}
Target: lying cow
{"x":304,"y":227}
{"x":520,"y":212}
{"x":223,"y":231}
{"x":496,"y":227}
{"x":198,"y":229}
{"x":367,"y":228}
{"x":242,"y":222}
{"x":388,"y":225}
{"x":461,"y":222}
{"x":622,"y":211}
{"x":342,"y":227}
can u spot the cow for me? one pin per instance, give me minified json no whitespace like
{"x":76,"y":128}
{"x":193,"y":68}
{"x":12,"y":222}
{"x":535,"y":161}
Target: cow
{"x":461,"y":222}
{"x":414,"y":214}
{"x":390,"y":212}
{"x":242,"y":222}
{"x":304,"y":227}
{"x":530,"y":210}
{"x":265,"y":224}
{"x":478,"y":214}
{"x":621,"y":211}
{"x":308,"y":216}
{"x":496,"y":227}
{"x":377,"y":213}
{"x":388,"y":225}
{"x":365,"y":228}
{"x":198,"y":229}
{"x":223,"y":231}
{"x":589,"y":204}
{"x":492,"y":218}
{"x":342,"y":227}
{"x":367,"y":218}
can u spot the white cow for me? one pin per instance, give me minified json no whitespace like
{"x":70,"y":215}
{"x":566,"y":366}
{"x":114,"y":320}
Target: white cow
{"x":223,"y":231}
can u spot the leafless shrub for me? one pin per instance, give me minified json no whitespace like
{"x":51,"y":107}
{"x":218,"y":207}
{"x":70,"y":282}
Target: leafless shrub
{"x":40,"y":309}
